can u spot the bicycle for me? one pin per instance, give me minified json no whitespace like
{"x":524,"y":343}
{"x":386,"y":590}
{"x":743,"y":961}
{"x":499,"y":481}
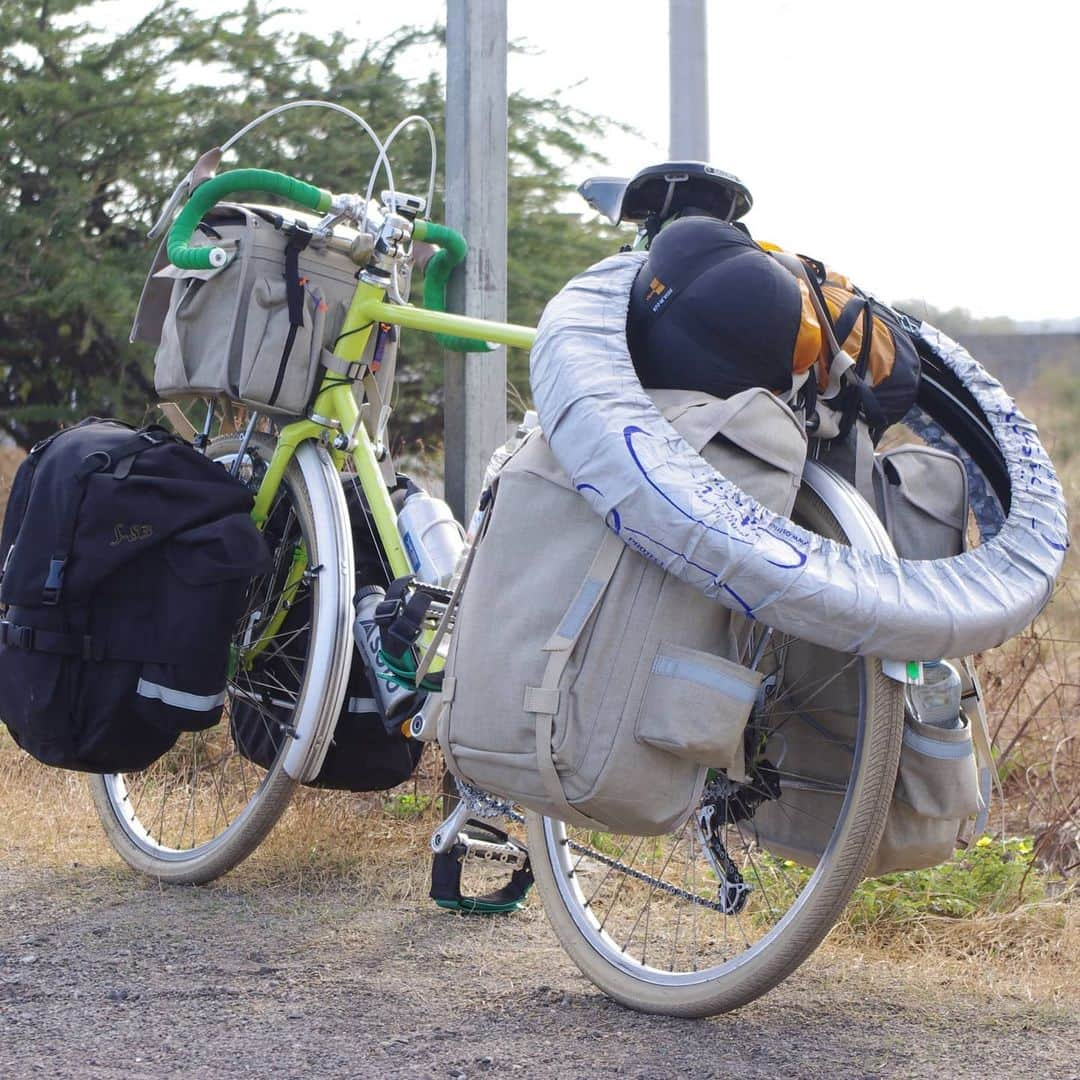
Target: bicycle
{"x":640,"y":916}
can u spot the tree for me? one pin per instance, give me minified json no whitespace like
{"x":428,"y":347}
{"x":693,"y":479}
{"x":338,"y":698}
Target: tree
{"x":96,"y":132}
{"x":957,"y":322}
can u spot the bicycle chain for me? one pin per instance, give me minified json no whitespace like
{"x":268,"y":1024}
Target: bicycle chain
{"x":638,"y":875}
{"x":484,"y":805}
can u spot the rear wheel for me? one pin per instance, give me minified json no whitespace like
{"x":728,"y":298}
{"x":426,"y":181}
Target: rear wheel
{"x":709,"y":917}
{"x":206,"y":805}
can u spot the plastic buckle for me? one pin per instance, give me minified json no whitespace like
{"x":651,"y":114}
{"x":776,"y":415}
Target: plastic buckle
{"x":17,"y":637}
{"x":386,"y":611}
{"x":54,"y":583}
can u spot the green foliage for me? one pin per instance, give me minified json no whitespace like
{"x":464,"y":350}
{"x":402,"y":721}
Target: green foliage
{"x":97,"y":130}
{"x":992,"y":877}
{"x":407,"y":805}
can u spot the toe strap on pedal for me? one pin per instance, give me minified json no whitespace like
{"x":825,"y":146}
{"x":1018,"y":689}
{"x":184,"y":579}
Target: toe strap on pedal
{"x":483,"y":842}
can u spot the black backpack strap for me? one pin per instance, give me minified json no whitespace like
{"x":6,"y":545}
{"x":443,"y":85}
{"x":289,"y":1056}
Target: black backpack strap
{"x":34,"y":639}
{"x":119,"y":459}
{"x":860,"y":393}
{"x":400,"y":617}
{"x":299,"y":238}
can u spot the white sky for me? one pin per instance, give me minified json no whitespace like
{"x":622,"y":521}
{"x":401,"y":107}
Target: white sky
{"x":925,"y":148}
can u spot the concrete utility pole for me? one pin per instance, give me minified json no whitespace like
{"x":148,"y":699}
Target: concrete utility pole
{"x":475,"y":383}
{"x":689,"y":74}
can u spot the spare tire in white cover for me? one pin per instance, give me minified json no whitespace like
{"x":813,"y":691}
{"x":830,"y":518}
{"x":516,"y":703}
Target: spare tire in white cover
{"x":666,"y":502}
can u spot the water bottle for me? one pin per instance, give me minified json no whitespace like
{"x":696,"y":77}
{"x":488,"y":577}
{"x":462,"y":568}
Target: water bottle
{"x":432,"y":539}
{"x":395,"y":700}
{"x":937,"y":701}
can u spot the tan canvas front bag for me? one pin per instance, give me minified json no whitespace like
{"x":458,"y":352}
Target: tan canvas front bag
{"x":582,"y":680}
{"x":231,"y":332}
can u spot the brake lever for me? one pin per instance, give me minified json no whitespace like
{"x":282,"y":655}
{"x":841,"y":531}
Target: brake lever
{"x":203,"y":169}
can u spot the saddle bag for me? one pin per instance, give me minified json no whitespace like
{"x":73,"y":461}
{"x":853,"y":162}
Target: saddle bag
{"x":945,"y":767}
{"x":259,"y":330}
{"x":582,"y":680}
{"x":126,"y":558}
{"x":363,"y":755}
{"x":884,"y":382}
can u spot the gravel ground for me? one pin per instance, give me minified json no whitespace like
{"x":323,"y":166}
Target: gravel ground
{"x":105,"y":975}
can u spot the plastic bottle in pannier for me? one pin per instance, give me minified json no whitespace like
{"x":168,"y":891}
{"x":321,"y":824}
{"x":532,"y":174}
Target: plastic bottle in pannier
{"x":937,"y":701}
{"x":394,"y":699}
{"x":432,"y":538}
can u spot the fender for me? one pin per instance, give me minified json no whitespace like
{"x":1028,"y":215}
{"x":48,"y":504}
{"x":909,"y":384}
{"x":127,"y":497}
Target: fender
{"x":324,"y":688}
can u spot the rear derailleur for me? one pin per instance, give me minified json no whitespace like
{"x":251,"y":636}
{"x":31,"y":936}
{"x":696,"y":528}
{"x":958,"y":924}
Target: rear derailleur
{"x":725,"y":802}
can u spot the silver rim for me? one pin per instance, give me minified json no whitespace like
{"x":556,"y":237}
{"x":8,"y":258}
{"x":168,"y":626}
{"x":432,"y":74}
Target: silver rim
{"x":200,"y":795}
{"x":656,"y":909}
{"x":613,"y":886}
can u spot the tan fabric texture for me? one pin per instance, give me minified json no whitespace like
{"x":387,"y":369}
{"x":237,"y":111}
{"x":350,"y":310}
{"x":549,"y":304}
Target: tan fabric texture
{"x":593,"y":689}
{"x":224,"y":333}
{"x":942,"y":780}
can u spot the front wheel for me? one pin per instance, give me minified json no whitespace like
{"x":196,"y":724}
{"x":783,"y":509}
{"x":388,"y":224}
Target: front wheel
{"x":199,"y":810}
{"x":713,"y":915}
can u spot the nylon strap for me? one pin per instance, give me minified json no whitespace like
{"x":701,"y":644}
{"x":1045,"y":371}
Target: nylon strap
{"x":347,"y":369}
{"x":559,"y":648}
{"x":374,"y":416}
{"x":299,"y":239}
{"x":83,"y":646}
{"x":841,"y":362}
{"x":54,"y":642}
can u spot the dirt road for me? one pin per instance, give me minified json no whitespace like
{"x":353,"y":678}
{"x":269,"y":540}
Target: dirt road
{"x":104,"y":975}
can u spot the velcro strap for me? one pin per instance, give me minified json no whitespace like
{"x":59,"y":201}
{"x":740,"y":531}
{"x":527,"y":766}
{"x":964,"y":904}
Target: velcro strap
{"x":588,"y":596}
{"x":541,"y":699}
{"x":403,"y":632}
{"x":347,"y":369}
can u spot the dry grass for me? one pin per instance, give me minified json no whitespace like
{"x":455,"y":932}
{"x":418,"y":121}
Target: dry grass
{"x":377,"y":843}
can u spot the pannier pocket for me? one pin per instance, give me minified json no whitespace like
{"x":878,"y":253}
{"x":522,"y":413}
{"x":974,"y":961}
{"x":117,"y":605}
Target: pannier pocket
{"x":194,"y":348}
{"x":278,"y":366}
{"x":696,"y":705}
{"x":938,"y":777}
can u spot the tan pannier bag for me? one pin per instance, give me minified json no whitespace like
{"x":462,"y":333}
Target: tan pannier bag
{"x":582,"y":680}
{"x":237,"y":332}
{"x":945,"y":774}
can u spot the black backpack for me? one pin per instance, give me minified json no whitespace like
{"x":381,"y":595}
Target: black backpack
{"x":363,"y":756}
{"x":126,"y":558}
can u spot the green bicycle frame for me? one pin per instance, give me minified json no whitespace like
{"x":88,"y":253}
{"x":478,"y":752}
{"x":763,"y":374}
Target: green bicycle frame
{"x":335,"y":403}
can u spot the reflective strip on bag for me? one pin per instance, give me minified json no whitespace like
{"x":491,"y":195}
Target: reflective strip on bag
{"x":179,"y":699}
{"x":672,"y":668}
{"x":933,"y":748}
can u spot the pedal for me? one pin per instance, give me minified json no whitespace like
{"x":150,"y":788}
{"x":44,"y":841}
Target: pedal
{"x":498,"y":849}
{"x":510,"y":854}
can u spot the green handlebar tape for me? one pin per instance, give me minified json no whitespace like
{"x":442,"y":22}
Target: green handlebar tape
{"x":452,"y":250}
{"x":212,"y":191}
